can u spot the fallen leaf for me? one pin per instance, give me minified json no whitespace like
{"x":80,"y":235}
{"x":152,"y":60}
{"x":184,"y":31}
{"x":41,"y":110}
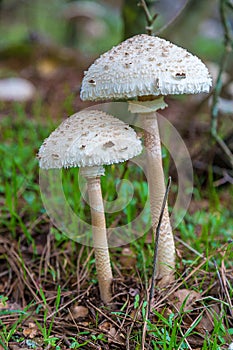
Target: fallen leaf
{"x":195,"y":340}
{"x":105,"y":326}
{"x":112,"y":331}
{"x":31,"y":331}
{"x":108,"y":328}
{"x":79,"y":311}
{"x":183,"y":299}
{"x":206,"y":323}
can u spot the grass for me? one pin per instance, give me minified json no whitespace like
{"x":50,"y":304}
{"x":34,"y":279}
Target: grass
{"x":53,"y":274}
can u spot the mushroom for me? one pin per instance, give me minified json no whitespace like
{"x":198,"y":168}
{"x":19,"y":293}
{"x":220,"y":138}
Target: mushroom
{"x":90,"y":139}
{"x":146,"y":68}
{"x":16,"y":89}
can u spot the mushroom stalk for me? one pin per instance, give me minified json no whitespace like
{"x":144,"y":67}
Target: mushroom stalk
{"x":155,"y":175}
{"x":146,"y":107}
{"x":102,"y":259}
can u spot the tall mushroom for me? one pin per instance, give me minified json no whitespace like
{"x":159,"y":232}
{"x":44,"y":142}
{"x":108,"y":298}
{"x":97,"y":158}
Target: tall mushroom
{"x":143,"y":69}
{"x":90,"y":139}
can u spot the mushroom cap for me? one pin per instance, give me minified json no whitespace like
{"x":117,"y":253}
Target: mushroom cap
{"x":16,"y":89}
{"x":89,"y":138}
{"x":144,"y":65}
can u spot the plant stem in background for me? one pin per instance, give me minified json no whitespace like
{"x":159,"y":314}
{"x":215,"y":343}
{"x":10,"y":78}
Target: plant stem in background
{"x":134,"y":21}
{"x":155,"y":258}
{"x":224,"y":5}
{"x":149,"y":17}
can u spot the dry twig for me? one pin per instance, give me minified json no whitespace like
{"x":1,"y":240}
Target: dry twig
{"x":152,"y":288}
{"x":149,"y":17}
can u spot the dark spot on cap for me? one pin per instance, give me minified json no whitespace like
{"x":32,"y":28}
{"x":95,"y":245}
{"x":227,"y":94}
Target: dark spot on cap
{"x":181,"y":75}
{"x":55,"y":156}
{"x":127,"y":65}
{"x":92,"y":81}
{"x":109,"y":144}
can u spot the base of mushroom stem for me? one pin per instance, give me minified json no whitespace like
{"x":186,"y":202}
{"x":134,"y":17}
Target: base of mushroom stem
{"x":163,"y":282}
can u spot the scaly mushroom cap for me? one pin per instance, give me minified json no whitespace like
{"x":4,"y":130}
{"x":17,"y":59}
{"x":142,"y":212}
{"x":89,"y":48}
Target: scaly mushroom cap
{"x":89,"y":138}
{"x":144,"y":65}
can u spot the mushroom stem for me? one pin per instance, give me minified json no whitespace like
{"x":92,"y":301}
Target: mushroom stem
{"x":102,"y":259}
{"x":155,"y":175}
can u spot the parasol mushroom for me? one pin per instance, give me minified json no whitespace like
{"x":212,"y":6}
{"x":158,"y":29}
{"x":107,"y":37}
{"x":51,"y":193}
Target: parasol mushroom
{"x":90,"y":139}
{"x":144,"y":69}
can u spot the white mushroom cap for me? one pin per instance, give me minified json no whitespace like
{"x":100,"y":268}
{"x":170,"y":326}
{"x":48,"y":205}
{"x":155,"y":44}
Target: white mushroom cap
{"x":89,"y":138}
{"x":16,"y":89}
{"x":144,"y":65}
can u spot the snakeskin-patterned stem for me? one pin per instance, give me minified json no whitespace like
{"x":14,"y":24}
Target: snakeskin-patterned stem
{"x":102,"y":259}
{"x":155,"y":175}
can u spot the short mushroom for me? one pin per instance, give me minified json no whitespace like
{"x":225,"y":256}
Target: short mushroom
{"x":90,"y":139}
{"x":143,"y":69}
